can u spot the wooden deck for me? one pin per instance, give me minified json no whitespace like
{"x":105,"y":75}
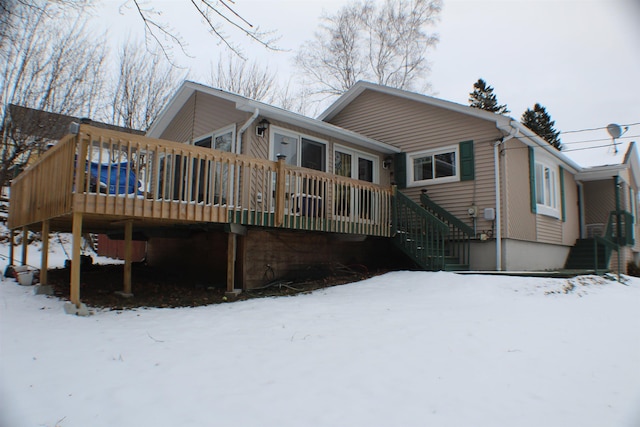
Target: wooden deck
{"x":104,"y":181}
{"x":110,"y":177}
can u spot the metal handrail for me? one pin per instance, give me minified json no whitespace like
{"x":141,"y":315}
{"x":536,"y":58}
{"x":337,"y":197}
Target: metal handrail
{"x":419,"y":233}
{"x":460,"y":234}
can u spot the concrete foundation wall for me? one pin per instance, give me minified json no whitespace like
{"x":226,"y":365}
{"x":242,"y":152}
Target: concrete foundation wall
{"x":520,"y":255}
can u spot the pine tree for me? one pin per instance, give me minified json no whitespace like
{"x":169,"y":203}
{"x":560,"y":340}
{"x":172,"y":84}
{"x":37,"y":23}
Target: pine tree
{"x":483,"y":97}
{"x":539,"y":121}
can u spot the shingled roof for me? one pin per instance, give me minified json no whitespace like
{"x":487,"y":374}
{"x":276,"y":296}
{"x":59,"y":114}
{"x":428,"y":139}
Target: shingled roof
{"x":51,"y":126}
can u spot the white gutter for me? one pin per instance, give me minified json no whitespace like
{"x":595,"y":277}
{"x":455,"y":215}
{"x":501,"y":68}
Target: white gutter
{"x":496,"y":162}
{"x":244,"y":127}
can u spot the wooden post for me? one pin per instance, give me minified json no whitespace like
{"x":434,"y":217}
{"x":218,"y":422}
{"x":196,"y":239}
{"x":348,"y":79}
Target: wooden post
{"x":280,"y":191}
{"x":44,"y":264}
{"x":231,"y":261}
{"x":75,"y":259}
{"x":25,"y":244}
{"x":128,"y":236}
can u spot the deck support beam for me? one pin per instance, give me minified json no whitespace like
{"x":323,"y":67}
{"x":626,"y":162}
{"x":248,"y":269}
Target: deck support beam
{"x":231,"y":262}
{"x":44,"y":263}
{"x":43,"y":288}
{"x":25,"y":244}
{"x":74,"y":294}
{"x":128,"y":250}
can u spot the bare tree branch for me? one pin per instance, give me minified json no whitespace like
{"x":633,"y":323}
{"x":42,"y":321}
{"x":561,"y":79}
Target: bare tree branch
{"x":142,"y":86}
{"x":206,"y":9}
{"x":384,"y":43}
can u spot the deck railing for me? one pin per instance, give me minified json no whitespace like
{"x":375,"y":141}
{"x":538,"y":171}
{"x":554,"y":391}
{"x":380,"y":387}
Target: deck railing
{"x":115,"y":174}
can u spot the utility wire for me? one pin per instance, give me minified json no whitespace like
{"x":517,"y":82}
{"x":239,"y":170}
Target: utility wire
{"x":592,"y":129}
{"x":598,"y":140}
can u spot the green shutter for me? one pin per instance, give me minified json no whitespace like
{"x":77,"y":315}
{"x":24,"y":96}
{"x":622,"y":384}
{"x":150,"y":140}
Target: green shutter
{"x":562,"y":202}
{"x":467,"y":168}
{"x":400,"y":170}
{"x":532,"y":180}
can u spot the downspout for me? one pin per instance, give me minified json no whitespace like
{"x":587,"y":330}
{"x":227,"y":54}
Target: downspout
{"x":582,"y":225}
{"x":496,"y":162}
{"x":242,"y":130}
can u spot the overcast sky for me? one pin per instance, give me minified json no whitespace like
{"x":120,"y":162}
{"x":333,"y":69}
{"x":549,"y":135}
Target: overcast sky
{"x":578,"y":58}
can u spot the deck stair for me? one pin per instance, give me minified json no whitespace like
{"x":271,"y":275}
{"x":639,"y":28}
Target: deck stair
{"x":585,"y":252}
{"x":424,"y":237}
{"x":595,"y":253}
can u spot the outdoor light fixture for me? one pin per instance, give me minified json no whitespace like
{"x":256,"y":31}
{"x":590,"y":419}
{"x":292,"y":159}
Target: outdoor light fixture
{"x":386,"y":163}
{"x":262,"y":127}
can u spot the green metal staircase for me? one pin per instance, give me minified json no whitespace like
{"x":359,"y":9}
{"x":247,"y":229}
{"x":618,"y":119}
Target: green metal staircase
{"x":432,"y":237}
{"x":595,"y":253}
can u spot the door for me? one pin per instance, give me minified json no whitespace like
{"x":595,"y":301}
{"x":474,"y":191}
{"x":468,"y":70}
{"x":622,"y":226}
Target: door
{"x":354,"y":164}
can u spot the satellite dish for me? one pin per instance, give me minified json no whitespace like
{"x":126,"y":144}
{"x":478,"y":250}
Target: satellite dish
{"x":614,"y":130}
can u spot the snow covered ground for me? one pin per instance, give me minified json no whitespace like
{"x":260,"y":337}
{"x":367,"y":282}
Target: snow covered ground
{"x":402,"y":349}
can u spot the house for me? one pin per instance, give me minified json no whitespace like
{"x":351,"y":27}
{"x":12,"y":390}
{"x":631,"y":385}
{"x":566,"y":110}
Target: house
{"x":250,"y":192}
{"x":238,"y":192}
{"x":544,"y":202}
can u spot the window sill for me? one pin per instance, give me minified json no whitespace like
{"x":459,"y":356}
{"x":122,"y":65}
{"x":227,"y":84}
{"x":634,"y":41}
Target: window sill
{"x":547,"y":211}
{"x":422,"y":183}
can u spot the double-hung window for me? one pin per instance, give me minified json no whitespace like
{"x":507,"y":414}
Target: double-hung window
{"x":547,"y":189}
{"x":434,"y":166}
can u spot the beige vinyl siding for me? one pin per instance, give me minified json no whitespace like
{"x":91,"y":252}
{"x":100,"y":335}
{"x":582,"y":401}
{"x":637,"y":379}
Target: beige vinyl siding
{"x":203,"y":114}
{"x":571,"y":227}
{"x":181,"y":127}
{"x":414,"y":126}
{"x":548,"y":229}
{"x":599,"y":201}
{"x":521,"y":222}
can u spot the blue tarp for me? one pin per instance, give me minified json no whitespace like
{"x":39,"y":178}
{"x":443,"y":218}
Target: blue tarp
{"x":119,"y":181}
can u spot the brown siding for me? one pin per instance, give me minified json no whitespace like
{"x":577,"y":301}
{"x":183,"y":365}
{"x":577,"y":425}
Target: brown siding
{"x":414,"y":126}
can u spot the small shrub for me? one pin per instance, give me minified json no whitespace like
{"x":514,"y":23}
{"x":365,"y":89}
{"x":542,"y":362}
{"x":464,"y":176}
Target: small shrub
{"x":633,"y":269}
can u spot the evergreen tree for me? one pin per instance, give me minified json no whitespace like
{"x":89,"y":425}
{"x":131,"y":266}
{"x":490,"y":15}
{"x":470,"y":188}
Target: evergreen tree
{"x":539,"y":121}
{"x":483,"y":97}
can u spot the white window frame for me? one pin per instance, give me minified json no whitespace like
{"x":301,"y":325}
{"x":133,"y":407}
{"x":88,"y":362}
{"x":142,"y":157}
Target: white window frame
{"x":355,"y":154}
{"x":298,"y":138}
{"x":412,"y":182}
{"x":218,"y":132}
{"x":551,"y":197}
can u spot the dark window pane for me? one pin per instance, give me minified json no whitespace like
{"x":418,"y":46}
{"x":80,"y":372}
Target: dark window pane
{"x":365,"y":170}
{"x":445,"y":164}
{"x":423,"y":168}
{"x":313,"y":155}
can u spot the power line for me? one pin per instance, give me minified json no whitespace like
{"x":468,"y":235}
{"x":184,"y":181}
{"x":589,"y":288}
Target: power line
{"x":592,"y":129}
{"x":591,"y":148}
{"x":598,"y":140}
